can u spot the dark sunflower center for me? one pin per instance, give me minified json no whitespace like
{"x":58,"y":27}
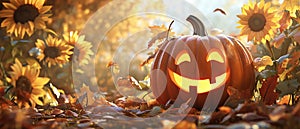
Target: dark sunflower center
{"x":52,"y":52}
{"x":23,"y":84}
{"x":257,"y":22}
{"x":25,"y":13}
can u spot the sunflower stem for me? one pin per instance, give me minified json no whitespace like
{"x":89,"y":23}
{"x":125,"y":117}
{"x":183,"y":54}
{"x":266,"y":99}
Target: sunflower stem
{"x":198,"y":26}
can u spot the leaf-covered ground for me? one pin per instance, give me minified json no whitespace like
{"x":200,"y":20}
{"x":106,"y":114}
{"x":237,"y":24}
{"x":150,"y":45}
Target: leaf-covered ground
{"x":132,"y":112}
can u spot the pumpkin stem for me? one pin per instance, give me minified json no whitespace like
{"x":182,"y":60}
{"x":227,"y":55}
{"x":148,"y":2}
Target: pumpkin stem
{"x":198,"y":26}
{"x":169,"y":29}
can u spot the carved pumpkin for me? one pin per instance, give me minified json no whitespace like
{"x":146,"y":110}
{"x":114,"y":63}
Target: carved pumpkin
{"x":199,"y":68}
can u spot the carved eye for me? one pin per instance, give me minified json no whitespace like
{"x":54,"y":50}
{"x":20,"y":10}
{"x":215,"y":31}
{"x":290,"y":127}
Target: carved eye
{"x":214,"y":55}
{"x":183,"y":56}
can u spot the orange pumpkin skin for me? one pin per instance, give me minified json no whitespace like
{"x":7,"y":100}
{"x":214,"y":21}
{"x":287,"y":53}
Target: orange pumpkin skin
{"x":235,"y":63}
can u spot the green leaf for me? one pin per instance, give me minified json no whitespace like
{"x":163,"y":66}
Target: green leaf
{"x":50,"y":31}
{"x":288,"y":87}
{"x":266,"y":74}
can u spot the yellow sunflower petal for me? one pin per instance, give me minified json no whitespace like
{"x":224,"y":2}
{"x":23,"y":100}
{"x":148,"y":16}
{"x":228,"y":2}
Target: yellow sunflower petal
{"x":33,"y":104}
{"x":40,"y":82}
{"x":11,"y":28}
{"x":9,"y":6}
{"x":37,"y":101}
{"x":253,"y":11}
{"x":6,"y":22}
{"x":6,"y":13}
{"x":15,"y":2}
{"x":39,"y":3}
{"x":45,"y":9}
{"x":40,"y":44}
{"x":38,"y":92}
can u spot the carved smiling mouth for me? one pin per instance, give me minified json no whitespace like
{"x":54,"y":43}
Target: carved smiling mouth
{"x":203,"y":85}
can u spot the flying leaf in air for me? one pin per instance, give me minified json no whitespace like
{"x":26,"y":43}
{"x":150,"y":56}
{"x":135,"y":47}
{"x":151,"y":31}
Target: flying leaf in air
{"x":220,"y":10}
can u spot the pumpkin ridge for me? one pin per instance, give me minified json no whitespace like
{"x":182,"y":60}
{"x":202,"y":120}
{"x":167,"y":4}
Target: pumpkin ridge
{"x":237,"y":62}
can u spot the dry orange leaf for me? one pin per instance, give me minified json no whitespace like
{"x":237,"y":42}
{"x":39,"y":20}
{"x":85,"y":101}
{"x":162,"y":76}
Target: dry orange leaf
{"x":277,"y":42}
{"x":261,"y":63}
{"x":159,"y":33}
{"x":90,"y":94}
{"x":185,"y":125}
{"x":285,"y":100}
{"x":285,"y":21}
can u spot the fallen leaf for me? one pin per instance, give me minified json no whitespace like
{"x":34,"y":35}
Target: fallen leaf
{"x":155,"y":111}
{"x":71,"y":113}
{"x":185,"y":125}
{"x":56,"y":111}
{"x":130,"y":102}
{"x":89,"y":94}
{"x":252,"y":116}
{"x":168,"y":124}
{"x":277,"y":113}
{"x":246,"y":108}
{"x":217,"y":117}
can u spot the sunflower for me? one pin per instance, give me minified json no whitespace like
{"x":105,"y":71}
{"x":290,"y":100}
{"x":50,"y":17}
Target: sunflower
{"x":23,"y":16}
{"x":82,"y":49}
{"x":53,"y":51}
{"x":27,"y":85}
{"x":291,"y":5}
{"x":258,"y":21}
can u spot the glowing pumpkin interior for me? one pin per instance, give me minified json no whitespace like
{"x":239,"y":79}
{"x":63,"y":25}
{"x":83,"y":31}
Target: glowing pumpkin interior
{"x":202,"y":85}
